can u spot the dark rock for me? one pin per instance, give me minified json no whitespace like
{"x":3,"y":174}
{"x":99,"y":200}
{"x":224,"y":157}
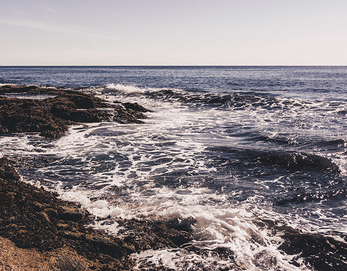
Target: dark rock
{"x":135,"y":107}
{"x":62,"y":108}
{"x":145,"y":235}
{"x":7,"y":172}
{"x":52,"y":116}
{"x":92,"y":115}
{"x":83,"y":102}
{"x":3,"y":129}
{"x":70,"y":214}
{"x":34,"y":218}
{"x":322,"y":252}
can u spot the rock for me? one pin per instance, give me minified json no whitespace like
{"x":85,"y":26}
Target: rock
{"x":314,"y":247}
{"x":33,"y":218}
{"x":71,"y":214}
{"x":91,"y":115}
{"x":62,"y":108}
{"x":320,"y":251}
{"x":135,"y":107}
{"x":81,"y":101}
{"x":3,"y":129}
{"x":7,"y":172}
{"x":52,"y":116}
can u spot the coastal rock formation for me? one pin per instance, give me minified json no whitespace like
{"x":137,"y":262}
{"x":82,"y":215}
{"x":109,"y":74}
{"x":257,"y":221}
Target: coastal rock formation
{"x":21,"y":111}
{"x":33,"y":218}
{"x":52,"y":234}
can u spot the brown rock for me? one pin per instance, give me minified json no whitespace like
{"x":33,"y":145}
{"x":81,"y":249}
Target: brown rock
{"x":52,"y":116}
{"x":33,"y":218}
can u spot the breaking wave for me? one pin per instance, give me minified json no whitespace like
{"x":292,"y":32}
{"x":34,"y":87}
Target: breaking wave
{"x":255,"y":175}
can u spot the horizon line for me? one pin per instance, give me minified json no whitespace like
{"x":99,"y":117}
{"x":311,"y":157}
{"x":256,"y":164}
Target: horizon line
{"x":167,"y":65}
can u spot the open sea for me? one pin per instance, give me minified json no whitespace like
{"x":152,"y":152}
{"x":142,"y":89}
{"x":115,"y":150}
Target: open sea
{"x":255,"y":156}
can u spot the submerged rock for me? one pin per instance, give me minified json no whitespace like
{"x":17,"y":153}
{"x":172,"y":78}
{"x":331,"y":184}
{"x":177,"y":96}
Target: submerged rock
{"x":52,"y":116}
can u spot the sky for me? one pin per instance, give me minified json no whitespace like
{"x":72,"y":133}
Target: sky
{"x":173,"y":32}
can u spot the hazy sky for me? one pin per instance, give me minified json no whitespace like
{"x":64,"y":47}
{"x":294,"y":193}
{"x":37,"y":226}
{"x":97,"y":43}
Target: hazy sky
{"x":173,"y":32}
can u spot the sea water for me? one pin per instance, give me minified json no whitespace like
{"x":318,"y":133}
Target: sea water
{"x":236,"y":149}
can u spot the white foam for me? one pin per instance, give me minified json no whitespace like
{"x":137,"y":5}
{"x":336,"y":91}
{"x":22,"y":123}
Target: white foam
{"x":233,"y":229}
{"x":28,"y":96}
{"x":127,"y":88}
{"x":135,"y":89}
{"x":219,"y":223}
{"x":227,"y":227}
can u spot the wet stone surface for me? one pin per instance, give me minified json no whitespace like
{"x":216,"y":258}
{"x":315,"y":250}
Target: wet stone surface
{"x":52,"y":116}
{"x":34,"y":218}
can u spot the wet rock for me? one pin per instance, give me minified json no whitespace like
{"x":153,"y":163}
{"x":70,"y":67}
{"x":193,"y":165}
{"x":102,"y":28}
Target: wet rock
{"x":143,"y":235}
{"x":3,"y":129}
{"x":70,"y":214}
{"x":7,"y":172}
{"x":52,"y":116}
{"x":62,"y":108}
{"x":31,"y":217}
{"x":82,"y":101}
{"x":322,"y":252}
{"x":91,"y":115}
{"x":135,"y":107}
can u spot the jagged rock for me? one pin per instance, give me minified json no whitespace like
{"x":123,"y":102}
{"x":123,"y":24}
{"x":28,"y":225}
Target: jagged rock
{"x":34,"y":218}
{"x":52,"y":116}
{"x":135,"y":107}
{"x":31,"y":217}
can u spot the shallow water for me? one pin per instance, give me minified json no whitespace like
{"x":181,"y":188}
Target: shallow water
{"x":246,"y":152}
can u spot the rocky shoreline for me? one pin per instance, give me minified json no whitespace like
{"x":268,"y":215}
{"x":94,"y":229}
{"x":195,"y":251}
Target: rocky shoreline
{"x":53,"y":234}
{"x":39,"y":231}
{"x":50,"y":111}
{"x":33,"y":218}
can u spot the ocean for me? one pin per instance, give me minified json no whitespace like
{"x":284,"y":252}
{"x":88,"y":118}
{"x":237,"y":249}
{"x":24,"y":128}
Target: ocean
{"x":255,"y":156}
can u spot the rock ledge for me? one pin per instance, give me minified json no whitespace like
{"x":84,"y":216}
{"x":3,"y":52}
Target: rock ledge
{"x":52,"y":116}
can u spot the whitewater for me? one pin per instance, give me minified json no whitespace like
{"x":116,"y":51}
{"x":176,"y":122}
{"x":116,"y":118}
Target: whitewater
{"x":252,"y":158}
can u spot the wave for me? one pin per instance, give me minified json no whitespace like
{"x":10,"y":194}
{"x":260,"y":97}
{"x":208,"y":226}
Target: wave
{"x":298,"y":161}
{"x":315,"y":196}
{"x":235,"y":100}
{"x":125,"y":89}
{"x":332,"y":143}
{"x":293,"y":161}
